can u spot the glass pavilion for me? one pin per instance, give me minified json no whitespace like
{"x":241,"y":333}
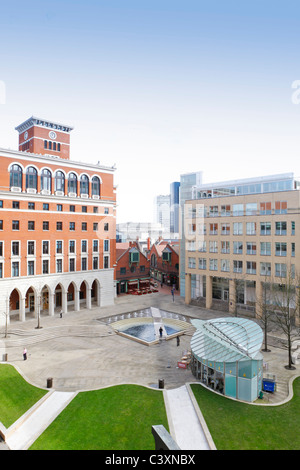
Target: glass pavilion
{"x":226,"y":356}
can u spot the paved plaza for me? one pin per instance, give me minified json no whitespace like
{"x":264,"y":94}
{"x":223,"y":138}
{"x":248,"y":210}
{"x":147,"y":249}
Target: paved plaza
{"x":81,"y":351}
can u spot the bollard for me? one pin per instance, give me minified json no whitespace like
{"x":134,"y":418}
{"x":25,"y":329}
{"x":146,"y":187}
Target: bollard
{"x":49,"y":382}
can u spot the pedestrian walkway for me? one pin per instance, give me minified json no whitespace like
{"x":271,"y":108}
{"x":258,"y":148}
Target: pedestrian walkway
{"x":37,"y":421}
{"x":184,"y":424}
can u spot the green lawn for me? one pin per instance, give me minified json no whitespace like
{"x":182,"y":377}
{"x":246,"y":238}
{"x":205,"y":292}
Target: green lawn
{"x":114,"y":418}
{"x":16,"y":395}
{"x":235,"y":425}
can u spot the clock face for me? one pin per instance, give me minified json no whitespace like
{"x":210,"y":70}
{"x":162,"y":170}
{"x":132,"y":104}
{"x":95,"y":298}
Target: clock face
{"x":52,"y":135}
{"x":25,"y":135}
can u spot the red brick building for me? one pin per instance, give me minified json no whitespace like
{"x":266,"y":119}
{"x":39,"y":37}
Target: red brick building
{"x":133,"y":268}
{"x":57,"y":225}
{"x":164,"y":262}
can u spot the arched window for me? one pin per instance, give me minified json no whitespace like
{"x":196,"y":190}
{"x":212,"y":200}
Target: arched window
{"x":31,"y":178}
{"x":59,"y":181}
{"x":153,"y":261}
{"x":46,"y":180}
{"x":96,"y":186}
{"x":72,"y":183}
{"x":84,"y":184}
{"x":16,"y":176}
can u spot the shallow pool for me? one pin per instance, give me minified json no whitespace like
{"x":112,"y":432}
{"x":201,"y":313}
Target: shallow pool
{"x":146,"y":331}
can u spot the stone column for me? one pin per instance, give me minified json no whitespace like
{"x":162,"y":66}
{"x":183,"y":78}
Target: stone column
{"x":22,"y":308}
{"x":64,"y":302}
{"x":188,"y":288}
{"x":50,"y":304}
{"x":208,"y":303}
{"x":232,"y":296}
{"x":76,"y":299}
{"x":88,"y":298}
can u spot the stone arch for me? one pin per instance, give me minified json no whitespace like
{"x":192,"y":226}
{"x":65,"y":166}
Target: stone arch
{"x":45,"y":300}
{"x":83,"y":294}
{"x":95,"y":293}
{"x":72,"y":296}
{"x":31,"y":302}
{"x":15,"y":305}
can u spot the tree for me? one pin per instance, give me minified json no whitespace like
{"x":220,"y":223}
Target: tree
{"x":287,"y":303}
{"x":265,"y":311}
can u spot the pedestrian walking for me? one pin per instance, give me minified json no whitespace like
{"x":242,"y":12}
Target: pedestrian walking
{"x":60,"y":314}
{"x":178,"y":341}
{"x":160,"y":332}
{"x":25,"y":354}
{"x":172,"y":292}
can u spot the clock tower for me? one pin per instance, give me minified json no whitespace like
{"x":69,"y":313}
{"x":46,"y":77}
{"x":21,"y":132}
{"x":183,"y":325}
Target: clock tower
{"x":44,"y":137}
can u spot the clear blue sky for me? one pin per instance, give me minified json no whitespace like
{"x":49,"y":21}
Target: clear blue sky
{"x":158,"y":87}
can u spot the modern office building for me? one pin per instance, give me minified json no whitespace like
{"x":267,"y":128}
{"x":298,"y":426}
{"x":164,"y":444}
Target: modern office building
{"x":57,"y":226}
{"x":174,"y":207}
{"x":162,"y":211}
{"x":239,"y":237}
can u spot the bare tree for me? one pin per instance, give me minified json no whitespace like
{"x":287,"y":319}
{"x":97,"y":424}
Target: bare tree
{"x":287,"y":303}
{"x":265,"y":311}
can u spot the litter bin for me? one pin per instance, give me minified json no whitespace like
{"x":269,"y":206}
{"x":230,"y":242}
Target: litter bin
{"x":161,"y":383}
{"x":268,"y":385}
{"x":49,"y":382}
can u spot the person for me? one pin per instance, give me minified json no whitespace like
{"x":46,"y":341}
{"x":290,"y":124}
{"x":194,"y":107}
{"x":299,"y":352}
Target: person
{"x":178,"y":341}
{"x":172,"y":292}
{"x":60,"y":314}
{"x":160,"y":331}
{"x":25,"y":354}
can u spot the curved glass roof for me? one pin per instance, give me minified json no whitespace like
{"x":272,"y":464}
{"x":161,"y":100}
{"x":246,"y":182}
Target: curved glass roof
{"x":227,"y":339}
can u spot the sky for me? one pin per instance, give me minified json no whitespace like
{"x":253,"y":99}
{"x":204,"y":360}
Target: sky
{"x":159,"y":88}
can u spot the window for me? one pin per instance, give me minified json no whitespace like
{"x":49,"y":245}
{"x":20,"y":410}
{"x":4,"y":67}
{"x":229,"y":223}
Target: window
{"x":95,"y":262}
{"x":15,"y":269}
{"x":16,"y":176}
{"x":213,"y":247}
{"x":31,"y":178}
{"x":46,"y":180}
{"x":265,"y":248}
{"x":84,"y":184}
{"x":1,"y":270}
{"x":251,"y":208}
{"x":84,"y":209}
{"x":225,"y":229}
{"x":265,"y":228}
{"x":280,"y":249}
{"x":59,"y":265}
{"x":238,"y":209}
{"x":72,"y":183}
{"x":293,"y":249}
{"x":83,"y":246}
{"x":83,"y":264}
{"x":251,"y":228}
{"x":293,"y":228}
{"x":237,"y":228}
{"x":72,"y":246}
{"x":134,"y":257}
{"x":192,"y":263}
{"x":15,"y":248}
{"x":106,"y":245}
{"x":59,"y":181}
{"x":31,"y":205}
{"x":59,"y":246}
{"x":202,"y":263}
{"x":45,"y":225}
{"x":59,"y":207}
{"x":45,"y":249}
{"x":45,"y":144}
{"x":95,"y":186}
{"x":251,"y":267}
{"x":45,"y":266}
{"x":59,"y":226}
{"x":72,"y":208}
{"x":202,"y":229}
{"x":1,"y":249}
{"x":15,"y":225}
{"x":106,"y":263}
{"x":30,"y":224}
{"x":280,"y":207}
{"x":1,"y":224}
{"x":95,"y":209}
{"x":213,"y":211}
{"x":213,"y":264}
{"x":72,"y":226}
{"x":95,"y":246}
{"x":225,"y":265}
{"x":84,"y":226}
{"x":280,"y":270}
{"x":30,"y":248}
{"x":225,"y":211}
{"x":122,"y":270}
{"x":72,"y":265}
{"x":237,"y":266}
{"x":106,"y":210}
{"x":1,"y":204}
{"x":45,"y":206}
{"x":251,"y":248}
{"x":30,"y":268}
{"x":265,"y":269}
{"x":280,"y":228}
{"x":106,"y":227}
{"x":225,"y":247}
{"x":16,"y":205}
{"x":265,"y":208}
{"x":213,"y":229}
{"x":237,"y":248}
{"x":202,"y":246}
